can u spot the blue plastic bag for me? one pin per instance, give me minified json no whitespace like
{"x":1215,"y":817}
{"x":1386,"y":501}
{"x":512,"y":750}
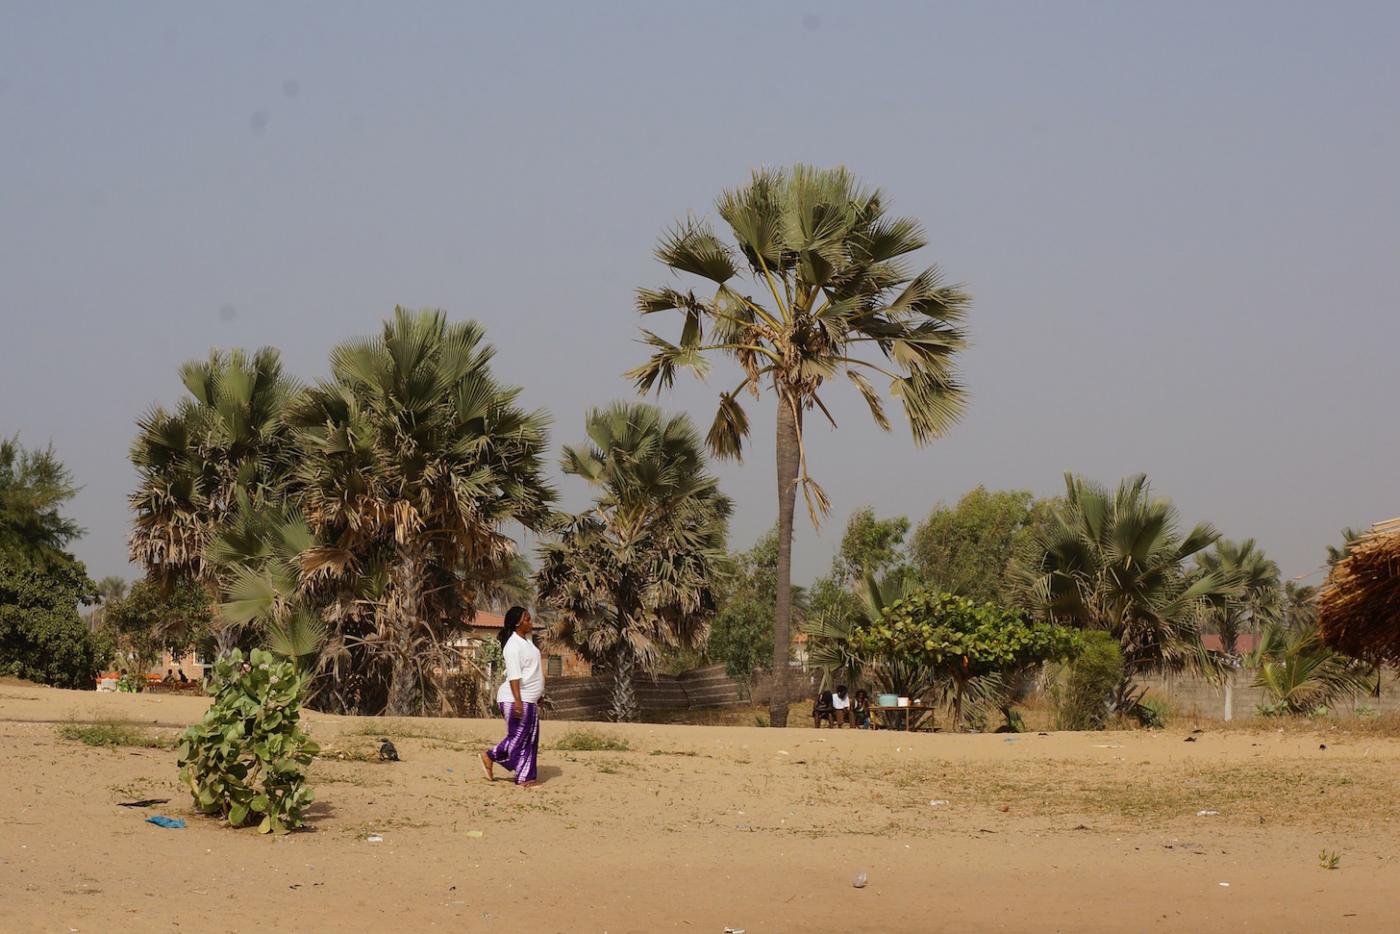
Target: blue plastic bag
{"x":174,"y":823}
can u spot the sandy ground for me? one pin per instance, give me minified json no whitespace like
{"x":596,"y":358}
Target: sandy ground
{"x":703,"y":828}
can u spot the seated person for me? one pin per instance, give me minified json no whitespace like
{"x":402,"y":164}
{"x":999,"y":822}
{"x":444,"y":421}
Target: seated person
{"x":169,"y":676}
{"x":823,"y":709}
{"x":183,"y":679}
{"x":861,"y":709}
{"x":841,"y":707}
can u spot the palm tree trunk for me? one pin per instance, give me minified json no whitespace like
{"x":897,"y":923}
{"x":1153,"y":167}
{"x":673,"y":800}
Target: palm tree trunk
{"x":782,"y":613}
{"x":624,"y":693}
{"x":403,"y":686}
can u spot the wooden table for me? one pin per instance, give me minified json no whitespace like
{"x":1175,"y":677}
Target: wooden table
{"x":909,"y":720}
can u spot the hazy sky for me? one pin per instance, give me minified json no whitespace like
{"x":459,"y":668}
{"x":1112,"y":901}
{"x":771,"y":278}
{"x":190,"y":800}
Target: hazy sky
{"x":1179,"y":222}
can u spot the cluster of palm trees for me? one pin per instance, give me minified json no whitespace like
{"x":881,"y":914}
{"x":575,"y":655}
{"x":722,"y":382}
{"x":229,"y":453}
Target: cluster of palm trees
{"x":356,"y":522}
{"x":1118,"y":561}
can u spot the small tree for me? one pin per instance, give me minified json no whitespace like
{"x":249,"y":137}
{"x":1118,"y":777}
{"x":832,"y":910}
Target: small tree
{"x":153,"y":617}
{"x":741,"y":635}
{"x":968,"y":548}
{"x":42,"y":637}
{"x":962,"y":639}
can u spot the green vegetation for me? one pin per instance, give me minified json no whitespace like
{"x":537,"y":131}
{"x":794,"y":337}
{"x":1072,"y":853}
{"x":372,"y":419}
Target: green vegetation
{"x":1080,"y":692}
{"x":742,"y":634}
{"x":822,"y":247}
{"x":349,"y":523}
{"x":112,"y":735}
{"x":634,"y":575}
{"x":1329,"y":859}
{"x":42,"y":636}
{"x":151,"y":618}
{"x":962,"y":640}
{"x":34,"y":534}
{"x":1116,"y":562}
{"x":245,"y":760}
{"x":589,"y":740}
{"x":1301,"y":675}
{"x":1257,"y":595}
{"x":967,"y":549}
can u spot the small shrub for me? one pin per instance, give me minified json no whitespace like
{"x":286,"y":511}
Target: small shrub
{"x":1080,"y":694}
{"x":1152,"y":713}
{"x":112,"y":735}
{"x":591,"y":741}
{"x":244,"y":761}
{"x":1329,"y":859}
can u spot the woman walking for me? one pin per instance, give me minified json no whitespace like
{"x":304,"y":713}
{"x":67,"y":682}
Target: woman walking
{"x":519,"y":698}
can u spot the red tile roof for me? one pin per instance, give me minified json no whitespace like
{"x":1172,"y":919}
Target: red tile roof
{"x":1245,"y":644}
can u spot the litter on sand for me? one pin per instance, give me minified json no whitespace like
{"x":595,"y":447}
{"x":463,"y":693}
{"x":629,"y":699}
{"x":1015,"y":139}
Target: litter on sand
{"x":1206,"y":813}
{"x":374,"y":838}
{"x":476,"y":834}
{"x":172,"y":823}
{"x":860,"y":880}
{"x":143,"y":803}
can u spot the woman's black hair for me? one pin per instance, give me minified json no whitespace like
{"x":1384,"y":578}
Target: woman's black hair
{"x":508,"y":625}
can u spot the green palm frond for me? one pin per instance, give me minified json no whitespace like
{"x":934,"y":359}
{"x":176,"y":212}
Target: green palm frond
{"x":826,"y":259}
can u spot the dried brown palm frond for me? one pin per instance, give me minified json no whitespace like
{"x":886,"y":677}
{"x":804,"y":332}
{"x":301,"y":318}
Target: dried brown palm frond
{"x":1359,"y":607}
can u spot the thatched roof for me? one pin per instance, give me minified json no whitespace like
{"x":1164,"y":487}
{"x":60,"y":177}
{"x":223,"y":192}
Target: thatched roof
{"x":1358,"y":610}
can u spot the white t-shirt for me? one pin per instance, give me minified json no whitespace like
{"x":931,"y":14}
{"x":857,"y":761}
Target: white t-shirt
{"x":522,"y":662}
{"x":840,"y":703}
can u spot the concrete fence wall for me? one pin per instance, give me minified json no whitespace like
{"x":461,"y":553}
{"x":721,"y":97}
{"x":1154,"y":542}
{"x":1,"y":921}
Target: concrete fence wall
{"x":1191,"y":695}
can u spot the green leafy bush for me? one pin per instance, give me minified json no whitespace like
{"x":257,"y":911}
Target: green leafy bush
{"x":42,"y":637}
{"x":244,"y":761}
{"x":1081,"y":692}
{"x":962,"y":640}
{"x":1152,"y":713}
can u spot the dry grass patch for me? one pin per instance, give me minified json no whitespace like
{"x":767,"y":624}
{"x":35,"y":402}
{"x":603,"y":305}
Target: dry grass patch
{"x":590,"y":740}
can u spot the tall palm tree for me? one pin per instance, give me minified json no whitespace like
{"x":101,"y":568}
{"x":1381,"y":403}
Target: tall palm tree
{"x":229,"y":438}
{"x":1116,"y":562}
{"x":110,"y":589}
{"x":1257,"y":600}
{"x":1258,"y":594}
{"x":813,"y":287}
{"x":1299,"y":609}
{"x":414,"y":458}
{"x":636,"y":573}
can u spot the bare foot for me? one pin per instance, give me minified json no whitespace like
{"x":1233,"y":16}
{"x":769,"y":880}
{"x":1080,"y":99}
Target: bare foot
{"x":529,"y":784}
{"x":488,"y":767}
